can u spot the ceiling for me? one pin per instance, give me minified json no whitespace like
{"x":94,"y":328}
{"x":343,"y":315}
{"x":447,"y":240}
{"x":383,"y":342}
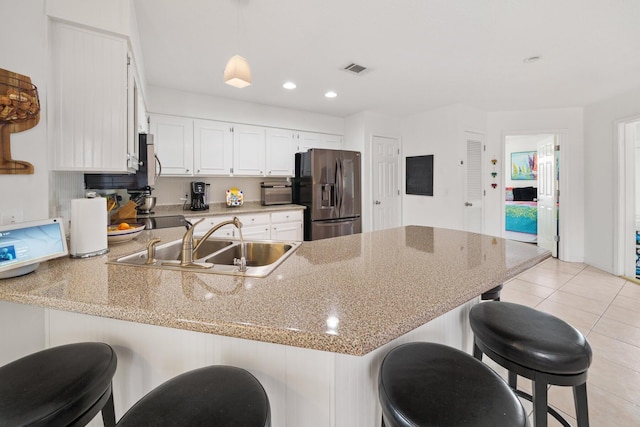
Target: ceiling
{"x":420,"y":54}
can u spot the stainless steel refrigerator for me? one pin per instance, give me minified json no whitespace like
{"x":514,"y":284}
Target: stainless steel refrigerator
{"x":327,"y":182}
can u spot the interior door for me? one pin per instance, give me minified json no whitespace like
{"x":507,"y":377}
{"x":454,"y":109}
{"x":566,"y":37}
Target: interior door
{"x":473,"y":183}
{"x":386,"y":183}
{"x":547,"y":195}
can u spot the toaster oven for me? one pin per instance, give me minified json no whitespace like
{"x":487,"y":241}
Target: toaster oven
{"x":276,"y":193}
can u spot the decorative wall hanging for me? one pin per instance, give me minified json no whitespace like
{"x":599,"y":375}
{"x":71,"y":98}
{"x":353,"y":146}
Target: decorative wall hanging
{"x":524,"y":165}
{"x":19,"y":111}
{"x":494,"y":174}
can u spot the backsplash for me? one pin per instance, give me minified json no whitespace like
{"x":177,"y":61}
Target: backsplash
{"x":64,"y":187}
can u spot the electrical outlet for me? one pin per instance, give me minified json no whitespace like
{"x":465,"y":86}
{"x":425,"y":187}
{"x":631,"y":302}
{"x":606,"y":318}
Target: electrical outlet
{"x":185,"y":198}
{"x":11,"y":216}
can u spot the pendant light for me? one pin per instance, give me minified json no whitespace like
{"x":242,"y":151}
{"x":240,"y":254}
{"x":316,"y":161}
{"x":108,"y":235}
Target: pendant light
{"x":237,"y":72}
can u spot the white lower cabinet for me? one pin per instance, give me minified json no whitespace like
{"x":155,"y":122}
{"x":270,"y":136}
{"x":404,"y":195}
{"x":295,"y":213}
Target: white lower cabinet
{"x":281,"y":225}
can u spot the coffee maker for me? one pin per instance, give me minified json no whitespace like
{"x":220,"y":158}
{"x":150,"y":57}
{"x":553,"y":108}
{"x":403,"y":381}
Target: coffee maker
{"x":199,"y":199}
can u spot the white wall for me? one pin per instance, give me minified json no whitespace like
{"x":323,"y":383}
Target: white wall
{"x":440,"y":132}
{"x":600,"y":177}
{"x":359,"y":131}
{"x":568,"y":122}
{"x":24,"y":51}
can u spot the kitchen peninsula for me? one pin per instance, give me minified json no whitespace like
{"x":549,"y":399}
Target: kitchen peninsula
{"x":313,"y":332}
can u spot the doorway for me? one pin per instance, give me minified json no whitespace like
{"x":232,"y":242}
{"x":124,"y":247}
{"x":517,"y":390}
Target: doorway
{"x":627,"y":234}
{"x":473,"y":209}
{"x":386,"y":183}
{"x":531,"y":196}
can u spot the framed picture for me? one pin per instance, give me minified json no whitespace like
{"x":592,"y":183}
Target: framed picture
{"x":524,"y":165}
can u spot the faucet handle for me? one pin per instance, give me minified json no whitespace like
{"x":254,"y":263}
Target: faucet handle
{"x":151,"y":250}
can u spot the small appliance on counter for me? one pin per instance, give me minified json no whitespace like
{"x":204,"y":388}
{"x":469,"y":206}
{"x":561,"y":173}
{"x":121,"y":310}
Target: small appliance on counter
{"x":143,"y":199}
{"x":199,"y":196}
{"x":234,"y":197}
{"x":275,"y":193}
{"x":88,"y":231}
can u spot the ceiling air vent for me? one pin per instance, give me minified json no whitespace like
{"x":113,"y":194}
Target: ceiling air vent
{"x":355,"y":68}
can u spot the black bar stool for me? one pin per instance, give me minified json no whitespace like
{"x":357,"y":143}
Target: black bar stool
{"x":538,"y":346}
{"x":221,"y":396}
{"x":492,"y":294}
{"x":427,"y":384}
{"x":60,"y":386}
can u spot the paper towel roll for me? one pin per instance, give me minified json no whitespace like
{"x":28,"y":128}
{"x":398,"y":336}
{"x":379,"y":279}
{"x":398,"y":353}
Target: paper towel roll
{"x":88,"y":227}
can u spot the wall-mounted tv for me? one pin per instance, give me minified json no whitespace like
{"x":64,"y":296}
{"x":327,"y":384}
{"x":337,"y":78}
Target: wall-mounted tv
{"x":419,"y":179}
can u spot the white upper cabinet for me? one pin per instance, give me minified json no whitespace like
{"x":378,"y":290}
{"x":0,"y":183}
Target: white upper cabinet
{"x":281,"y":150}
{"x":248,"y":150}
{"x":88,"y":108}
{"x":213,"y":147}
{"x":306,"y":140}
{"x":173,"y":138}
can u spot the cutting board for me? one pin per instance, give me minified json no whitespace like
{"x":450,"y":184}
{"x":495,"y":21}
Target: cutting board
{"x":126,"y":211}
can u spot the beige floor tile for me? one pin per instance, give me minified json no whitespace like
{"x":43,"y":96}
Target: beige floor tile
{"x":619,"y":352}
{"x":579,"y":319}
{"x":565,"y":267}
{"x":624,"y":315}
{"x":631,"y":290}
{"x":588,"y":288}
{"x":545,"y":277}
{"x":607,"y":410}
{"x":615,"y":379}
{"x":512,"y":295}
{"x":600,"y":277}
{"x":529,"y":288}
{"x":595,"y":306}
{"x":618,"y":330}
{"x":626,"y":302}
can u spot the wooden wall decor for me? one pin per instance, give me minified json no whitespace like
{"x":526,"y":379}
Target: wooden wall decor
{"x":19,"y":111}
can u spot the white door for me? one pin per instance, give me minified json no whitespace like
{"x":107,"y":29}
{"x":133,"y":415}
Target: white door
{"x":473,"y":183}
{"x":547,"y":196}
{"x":386,"y":183}
{"x":280,"y":152}
{"x":173,"y":138}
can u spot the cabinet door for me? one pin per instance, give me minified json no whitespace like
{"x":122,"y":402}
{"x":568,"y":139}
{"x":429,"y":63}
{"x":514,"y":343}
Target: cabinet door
{"x":209,"y":222}
{"x":308,"y":140}
{"x":213,"y":146}
{"x":333,"y":142}
{"x":260,"y":232}
{"x":280,"y":152}
{"x":248,"y":150}
{"x":174,"y":143}
{"x":287,"y":231}
{"x":87,"y":114}
{"x":133,"y":105}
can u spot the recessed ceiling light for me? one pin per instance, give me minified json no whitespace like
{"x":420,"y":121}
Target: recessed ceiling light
{"x":289,"y":85}
{"x":531,"y":59}
{"x":330,"y":94}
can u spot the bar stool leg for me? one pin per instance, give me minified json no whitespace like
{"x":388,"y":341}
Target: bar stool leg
{"x":477,"y":353}
{"x":539,"y":403}
{"x":108,"y":412}
{"x":513,"y":380}
{"x":582,"y":408}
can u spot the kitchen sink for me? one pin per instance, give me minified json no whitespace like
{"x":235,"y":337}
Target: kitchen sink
{"x":216,"y":256}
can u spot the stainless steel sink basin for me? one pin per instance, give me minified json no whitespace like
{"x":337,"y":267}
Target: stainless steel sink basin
{"x":217,"y":256}
{"x":258,"y":254}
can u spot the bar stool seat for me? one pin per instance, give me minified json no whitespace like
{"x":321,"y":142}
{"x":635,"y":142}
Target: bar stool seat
{"x":60,"y":386}
{"x":535,"y":345}
{"x":218,"y":396}
{"x":427,"y":384}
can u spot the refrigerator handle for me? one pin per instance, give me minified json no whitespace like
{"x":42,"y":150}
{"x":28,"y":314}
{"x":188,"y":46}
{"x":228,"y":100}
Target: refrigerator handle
{"x":339,"y":182}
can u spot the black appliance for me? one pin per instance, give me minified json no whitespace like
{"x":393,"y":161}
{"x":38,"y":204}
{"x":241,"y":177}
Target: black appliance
{"x":149,"y":170}
{"x":327,"y":182}
{"x":199,"y":196}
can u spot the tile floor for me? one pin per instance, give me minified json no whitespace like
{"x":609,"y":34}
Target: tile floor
{"x":606,"y":309}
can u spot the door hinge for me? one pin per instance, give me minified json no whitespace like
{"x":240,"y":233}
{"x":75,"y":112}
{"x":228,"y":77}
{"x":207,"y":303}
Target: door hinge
{"x":557,"y":147}
{"x":484,"y":148}
{"x":230,"y":170}
{"x":556,"y":238}
{"x":128,"y":60}
{"x":398,"y":192}
{"x":398,"y":151}
{"x":484,"y":192}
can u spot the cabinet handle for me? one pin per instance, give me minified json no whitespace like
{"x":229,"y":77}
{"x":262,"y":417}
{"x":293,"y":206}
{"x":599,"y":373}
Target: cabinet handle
{"x":198,"y":170}
{"x":187,"y":170}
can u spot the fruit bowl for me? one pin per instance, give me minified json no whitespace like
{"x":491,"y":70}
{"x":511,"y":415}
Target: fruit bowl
{"x":116,"y":235}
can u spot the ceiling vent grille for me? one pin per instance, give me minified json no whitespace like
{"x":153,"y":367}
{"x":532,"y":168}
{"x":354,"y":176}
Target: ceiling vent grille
{"x":355,"y":68}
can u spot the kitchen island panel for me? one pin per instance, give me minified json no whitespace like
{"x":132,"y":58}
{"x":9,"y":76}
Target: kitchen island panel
{"x":306,"y":387}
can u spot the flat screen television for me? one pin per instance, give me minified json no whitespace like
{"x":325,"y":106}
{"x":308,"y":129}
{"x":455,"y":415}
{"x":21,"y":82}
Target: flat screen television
{"x":419,"y":175}
{"x":23,"y":246}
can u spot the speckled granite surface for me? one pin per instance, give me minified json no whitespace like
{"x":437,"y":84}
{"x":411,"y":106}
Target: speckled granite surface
{"x":348,"y":295}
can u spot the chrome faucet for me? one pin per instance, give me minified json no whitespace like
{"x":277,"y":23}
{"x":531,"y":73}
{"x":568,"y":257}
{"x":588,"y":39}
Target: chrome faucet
{"x":188,"y":247}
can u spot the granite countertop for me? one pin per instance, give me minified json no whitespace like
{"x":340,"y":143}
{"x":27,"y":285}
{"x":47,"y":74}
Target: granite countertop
{"x":348,"y":295}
